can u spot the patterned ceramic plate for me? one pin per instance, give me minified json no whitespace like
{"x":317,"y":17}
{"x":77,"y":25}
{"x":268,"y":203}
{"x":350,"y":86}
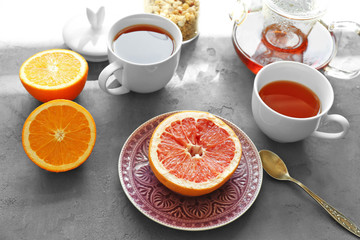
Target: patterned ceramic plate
{"x":160,"y":204}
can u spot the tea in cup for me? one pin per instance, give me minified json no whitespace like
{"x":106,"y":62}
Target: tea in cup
{"x":290,"y":99}
{"x":144,"y":52}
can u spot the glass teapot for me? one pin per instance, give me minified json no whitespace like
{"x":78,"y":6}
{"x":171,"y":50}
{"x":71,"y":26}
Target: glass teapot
{"x":292,"y":30}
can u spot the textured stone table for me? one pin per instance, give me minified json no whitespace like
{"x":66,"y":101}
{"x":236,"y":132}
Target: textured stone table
{"x":89,"y":202}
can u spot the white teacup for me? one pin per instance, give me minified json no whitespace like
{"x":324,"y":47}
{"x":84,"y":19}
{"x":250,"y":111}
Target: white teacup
{"x":140,"y":77}
{"x":282,"y":128}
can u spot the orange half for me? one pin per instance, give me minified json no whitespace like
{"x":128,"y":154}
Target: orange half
{"x":59,"y":135}
{"x":54,"y":74}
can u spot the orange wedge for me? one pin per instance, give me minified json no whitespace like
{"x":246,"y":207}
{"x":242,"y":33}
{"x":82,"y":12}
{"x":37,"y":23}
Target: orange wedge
{"x":54,"y":74}
{"x":194,"y":153}
{"x":59,"y":135}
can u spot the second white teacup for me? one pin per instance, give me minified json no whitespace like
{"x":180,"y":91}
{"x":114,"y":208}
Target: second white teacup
{"x":139,"y":76}
{"x":283,"y":128}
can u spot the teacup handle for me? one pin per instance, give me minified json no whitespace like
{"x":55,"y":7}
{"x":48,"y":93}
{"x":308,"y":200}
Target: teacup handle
{"x":344,"y":65}
{"x":344,"y":123}
{"x":108,"y":74}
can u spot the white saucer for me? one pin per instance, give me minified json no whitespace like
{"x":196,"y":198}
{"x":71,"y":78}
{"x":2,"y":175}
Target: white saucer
{"x":191,"y":39}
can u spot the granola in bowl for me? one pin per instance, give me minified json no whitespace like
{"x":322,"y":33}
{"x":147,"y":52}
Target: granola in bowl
{"x":184,"y":13}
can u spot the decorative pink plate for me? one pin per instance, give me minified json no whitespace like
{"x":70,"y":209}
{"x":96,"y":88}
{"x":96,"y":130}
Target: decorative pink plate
{"x":160,"y":204}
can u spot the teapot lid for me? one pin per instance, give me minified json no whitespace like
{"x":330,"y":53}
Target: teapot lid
{"x":298,"y":9}
{"x":87,"y":35}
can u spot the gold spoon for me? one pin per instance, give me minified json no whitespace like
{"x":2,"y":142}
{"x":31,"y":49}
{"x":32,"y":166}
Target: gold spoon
{"x":276,"y":168}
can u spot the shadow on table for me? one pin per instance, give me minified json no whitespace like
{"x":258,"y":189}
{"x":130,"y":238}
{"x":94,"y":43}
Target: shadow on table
{"x":56,"y":187}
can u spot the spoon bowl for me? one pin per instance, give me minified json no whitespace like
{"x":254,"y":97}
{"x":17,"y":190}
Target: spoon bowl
{"x":277,"y":169}
{"x":274,"y":166}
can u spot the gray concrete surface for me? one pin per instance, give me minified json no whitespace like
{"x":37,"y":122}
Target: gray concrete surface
{"x":89,"y":203}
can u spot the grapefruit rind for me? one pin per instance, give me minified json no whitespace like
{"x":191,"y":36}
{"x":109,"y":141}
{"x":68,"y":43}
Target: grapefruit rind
{"x":183,"y":186}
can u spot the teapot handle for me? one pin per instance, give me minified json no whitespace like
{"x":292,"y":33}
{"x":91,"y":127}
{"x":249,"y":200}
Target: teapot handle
{"x":239,"y":11}
{"x":346,"y":62}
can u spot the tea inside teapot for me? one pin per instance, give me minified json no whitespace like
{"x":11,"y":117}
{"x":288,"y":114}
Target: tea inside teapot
{"x":284,"y":30}
{"x":258,"y":46}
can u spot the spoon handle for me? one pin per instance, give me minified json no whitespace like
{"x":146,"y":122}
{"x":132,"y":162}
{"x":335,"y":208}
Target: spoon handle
{"x":335,"y":214}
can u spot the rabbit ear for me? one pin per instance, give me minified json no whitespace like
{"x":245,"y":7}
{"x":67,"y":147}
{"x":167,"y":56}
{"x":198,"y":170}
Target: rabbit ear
{"x":100,"y":16}
{"x":92,"y":18}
